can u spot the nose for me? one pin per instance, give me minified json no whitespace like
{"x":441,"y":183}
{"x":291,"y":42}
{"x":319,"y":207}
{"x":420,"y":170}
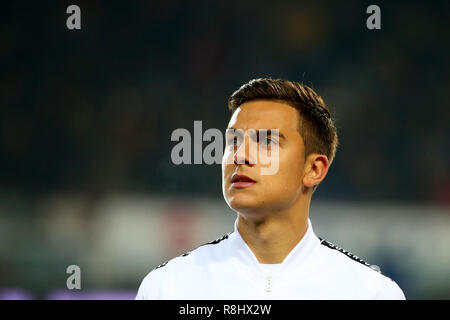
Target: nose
{"x":242,"y":154}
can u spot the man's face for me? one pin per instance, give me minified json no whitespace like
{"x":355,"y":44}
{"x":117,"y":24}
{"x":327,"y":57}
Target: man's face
{"x":268,"y":192}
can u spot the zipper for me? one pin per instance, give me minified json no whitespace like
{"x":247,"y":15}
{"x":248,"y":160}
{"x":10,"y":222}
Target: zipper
{"x":268,"y":282}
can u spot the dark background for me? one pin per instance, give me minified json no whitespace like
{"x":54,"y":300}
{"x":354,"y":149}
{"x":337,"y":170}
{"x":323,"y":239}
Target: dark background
{"x":91,"y":111}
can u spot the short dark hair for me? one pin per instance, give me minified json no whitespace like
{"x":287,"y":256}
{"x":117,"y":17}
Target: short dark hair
{"x":316,"y":125}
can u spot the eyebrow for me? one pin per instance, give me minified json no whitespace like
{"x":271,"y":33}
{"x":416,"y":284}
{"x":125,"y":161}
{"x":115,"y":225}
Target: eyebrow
{"x":269,"y":132}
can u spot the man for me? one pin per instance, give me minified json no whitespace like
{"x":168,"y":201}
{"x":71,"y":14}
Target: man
{"x":273,"y":252}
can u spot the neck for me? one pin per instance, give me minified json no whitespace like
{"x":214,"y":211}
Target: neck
{"x":272,"y":237}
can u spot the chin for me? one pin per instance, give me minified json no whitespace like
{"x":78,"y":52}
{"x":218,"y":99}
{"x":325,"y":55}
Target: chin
{"x":243,"y":203}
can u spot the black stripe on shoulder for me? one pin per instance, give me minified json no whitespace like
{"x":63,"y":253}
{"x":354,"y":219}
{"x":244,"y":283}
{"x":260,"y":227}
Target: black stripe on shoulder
{"x":160,"y":266}
{"x":211,"y":242}
{"x":224,"y":237}
{"x":351,"y":256}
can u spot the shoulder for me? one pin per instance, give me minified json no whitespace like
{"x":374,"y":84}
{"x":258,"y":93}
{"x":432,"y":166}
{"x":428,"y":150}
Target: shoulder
{"x":185,"y":265}
{"x":150,"y":288}
{"x":357,"y":272}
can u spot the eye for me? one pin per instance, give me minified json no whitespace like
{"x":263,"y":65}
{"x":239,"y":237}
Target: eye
{"x":233,"y":140}
{"x":267,"y":141}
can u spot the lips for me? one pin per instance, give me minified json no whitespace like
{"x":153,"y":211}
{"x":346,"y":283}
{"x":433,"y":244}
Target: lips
{"x":241,"y":181}
{"x":241,"y":178}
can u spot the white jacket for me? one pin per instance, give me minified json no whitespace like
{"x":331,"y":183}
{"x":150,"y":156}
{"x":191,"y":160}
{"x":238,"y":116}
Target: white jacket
{"x":227,"y":269}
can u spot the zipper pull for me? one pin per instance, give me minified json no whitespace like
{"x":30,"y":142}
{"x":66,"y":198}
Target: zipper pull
{"x":269,"y":282}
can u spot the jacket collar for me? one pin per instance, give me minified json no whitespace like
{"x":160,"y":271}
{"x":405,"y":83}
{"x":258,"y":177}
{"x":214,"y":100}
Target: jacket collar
{"x":298,"y":255}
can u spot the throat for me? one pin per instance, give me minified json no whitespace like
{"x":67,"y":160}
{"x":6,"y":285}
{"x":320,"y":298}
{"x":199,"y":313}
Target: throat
{"x":272,"y":241}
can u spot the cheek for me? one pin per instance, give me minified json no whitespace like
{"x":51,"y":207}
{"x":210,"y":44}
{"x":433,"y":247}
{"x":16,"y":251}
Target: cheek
{"x":290,"y":169}
{"x":227,"y":162}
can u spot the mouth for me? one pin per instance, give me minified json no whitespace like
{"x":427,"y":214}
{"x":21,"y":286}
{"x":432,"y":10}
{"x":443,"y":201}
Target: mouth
{"x":240,"y":181}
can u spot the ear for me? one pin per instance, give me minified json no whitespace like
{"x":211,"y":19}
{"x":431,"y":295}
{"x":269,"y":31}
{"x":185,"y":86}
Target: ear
{"x":316,"y":168}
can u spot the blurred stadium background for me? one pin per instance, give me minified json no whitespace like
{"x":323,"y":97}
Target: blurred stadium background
{"x":86,"y":118}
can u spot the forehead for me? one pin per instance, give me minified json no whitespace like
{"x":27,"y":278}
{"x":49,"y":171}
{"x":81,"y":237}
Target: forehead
{"x":264,"y":114}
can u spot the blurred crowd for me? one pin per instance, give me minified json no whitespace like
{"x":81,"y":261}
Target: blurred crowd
{"x":92,"y":110}
{"x":86,"y":118}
